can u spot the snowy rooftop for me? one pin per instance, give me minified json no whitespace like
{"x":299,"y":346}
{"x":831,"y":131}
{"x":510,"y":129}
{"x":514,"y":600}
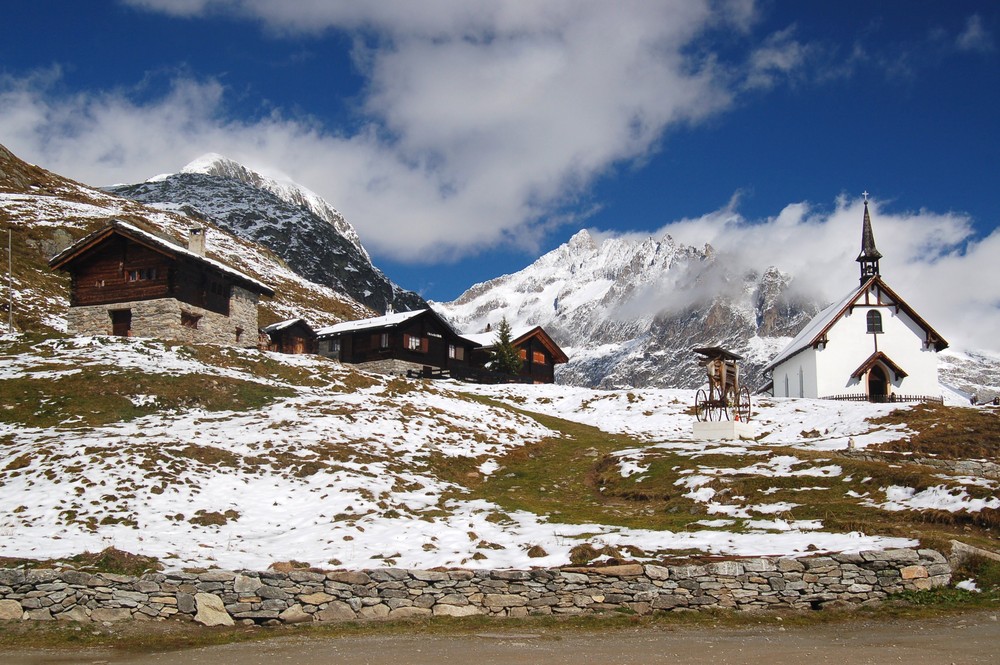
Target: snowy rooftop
{"x":169,"y":245}
{"x":814,"y":328}
{"x":386,"y":321}
{"x":489,"y":338}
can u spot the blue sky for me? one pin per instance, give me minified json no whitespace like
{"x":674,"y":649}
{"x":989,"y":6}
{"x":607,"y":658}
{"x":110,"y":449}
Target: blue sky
{"x":464,"y":138}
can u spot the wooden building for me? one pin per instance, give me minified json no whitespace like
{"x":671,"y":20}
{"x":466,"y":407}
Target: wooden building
{"x":127,"y":281}
{"x":397,"y":343}
{"x":539,"y":353}
{"x":291,"y":336}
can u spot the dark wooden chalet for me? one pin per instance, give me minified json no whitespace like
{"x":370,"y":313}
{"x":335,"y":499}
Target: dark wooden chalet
{"x":291,"y":336}
{"x":125,"y":280}
{"x":539,"y":353}
{"x":397,"y":343}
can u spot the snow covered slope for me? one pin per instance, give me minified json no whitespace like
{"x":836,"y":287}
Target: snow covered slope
{"x":630,"y":312}
{"x":290,"y":220}
{"x":212,"y":456}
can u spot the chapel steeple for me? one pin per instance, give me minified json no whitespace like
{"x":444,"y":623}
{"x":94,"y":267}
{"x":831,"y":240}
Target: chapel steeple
{"x":869,"y":256}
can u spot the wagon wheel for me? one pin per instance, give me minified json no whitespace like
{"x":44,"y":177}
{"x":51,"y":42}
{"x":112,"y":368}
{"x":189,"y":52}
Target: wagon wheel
{"x":702,"y":410}
{"x":744,"y":405}
{"x":727,"y":404}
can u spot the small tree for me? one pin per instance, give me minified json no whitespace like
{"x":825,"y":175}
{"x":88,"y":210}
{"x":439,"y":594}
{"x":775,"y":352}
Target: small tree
{"x":506,"y":357}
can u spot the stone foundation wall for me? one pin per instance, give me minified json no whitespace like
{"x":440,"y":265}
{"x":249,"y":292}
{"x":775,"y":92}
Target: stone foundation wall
{"x":161,"y":318}
{"x":219,"y":597}
{"x":390,"y":367}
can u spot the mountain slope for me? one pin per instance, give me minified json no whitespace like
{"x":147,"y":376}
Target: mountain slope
{"x":290,"y":192}
{"x":629,"y":312}
{"x":208,"y":456}
{"x":291,"y":221}
{"x":47,"y":212}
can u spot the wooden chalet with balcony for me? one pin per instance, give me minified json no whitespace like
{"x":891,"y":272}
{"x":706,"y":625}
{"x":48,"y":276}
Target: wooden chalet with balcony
{"x":398,"y":343}
{"x":539,"y":353}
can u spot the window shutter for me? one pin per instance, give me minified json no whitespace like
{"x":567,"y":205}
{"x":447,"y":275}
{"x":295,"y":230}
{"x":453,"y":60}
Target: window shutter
{"x":423,"y":344}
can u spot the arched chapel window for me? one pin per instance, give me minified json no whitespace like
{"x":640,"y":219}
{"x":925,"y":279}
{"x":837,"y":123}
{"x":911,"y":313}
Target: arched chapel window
{"x":874,"y":321}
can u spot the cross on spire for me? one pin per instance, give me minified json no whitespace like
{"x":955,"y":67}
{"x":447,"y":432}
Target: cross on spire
{"x":869,"y":253}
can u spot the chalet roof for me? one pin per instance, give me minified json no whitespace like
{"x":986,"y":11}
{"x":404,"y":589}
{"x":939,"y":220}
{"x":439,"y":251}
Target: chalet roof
{"x":283,"y":325}
{"x":488,"y":340}
{"x":713,"y":352}
{"x":157,"y":243}
{"x":386,"y":321}
{"x":815,"y":331}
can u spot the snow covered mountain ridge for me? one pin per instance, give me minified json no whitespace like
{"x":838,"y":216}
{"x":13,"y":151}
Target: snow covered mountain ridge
{"x":291,"y":192}
{"x":628,"y":312}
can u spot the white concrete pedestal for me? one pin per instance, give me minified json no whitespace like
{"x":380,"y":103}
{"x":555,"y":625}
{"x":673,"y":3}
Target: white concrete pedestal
{"x":726,"y":430}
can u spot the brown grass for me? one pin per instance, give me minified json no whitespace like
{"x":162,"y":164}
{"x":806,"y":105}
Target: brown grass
{"x":946,"y":431}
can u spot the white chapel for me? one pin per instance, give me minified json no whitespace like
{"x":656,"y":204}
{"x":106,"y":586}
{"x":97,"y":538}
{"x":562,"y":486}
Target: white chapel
{"x":869,"y":345}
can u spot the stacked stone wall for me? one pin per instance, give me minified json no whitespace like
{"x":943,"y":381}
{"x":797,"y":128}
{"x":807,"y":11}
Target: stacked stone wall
{"x":966,"y":467}
{"x":161,"y":318}
{"x":219,"y":597}
{"x":390,"y":367}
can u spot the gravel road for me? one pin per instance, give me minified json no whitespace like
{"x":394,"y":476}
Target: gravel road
{"x":963,"y":639}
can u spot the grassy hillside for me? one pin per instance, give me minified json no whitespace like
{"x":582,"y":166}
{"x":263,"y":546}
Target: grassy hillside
{"x":203,"y":455}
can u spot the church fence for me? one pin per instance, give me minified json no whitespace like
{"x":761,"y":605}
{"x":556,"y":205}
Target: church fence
{"x":886,"y":399}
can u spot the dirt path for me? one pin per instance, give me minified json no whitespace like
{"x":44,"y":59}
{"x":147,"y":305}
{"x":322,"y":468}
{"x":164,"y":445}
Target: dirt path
{"x":966,"y":639}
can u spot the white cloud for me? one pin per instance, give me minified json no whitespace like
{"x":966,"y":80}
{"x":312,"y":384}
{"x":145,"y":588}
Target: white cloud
{"x":485,"y":120}
{"x":932,"y":260}
{"x":975,"y":37}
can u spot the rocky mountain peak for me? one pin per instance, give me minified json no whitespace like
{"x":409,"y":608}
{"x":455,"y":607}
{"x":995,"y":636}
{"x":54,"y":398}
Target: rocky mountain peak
{"x":629,"y":311}
{"x":291,"y":192}
{"x":582,"y":241}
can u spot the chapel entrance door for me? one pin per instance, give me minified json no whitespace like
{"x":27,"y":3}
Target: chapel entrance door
{"x":878,"y":384}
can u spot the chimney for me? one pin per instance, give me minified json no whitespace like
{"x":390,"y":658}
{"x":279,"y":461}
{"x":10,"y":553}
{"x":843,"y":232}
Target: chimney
{"x":196,"y":240}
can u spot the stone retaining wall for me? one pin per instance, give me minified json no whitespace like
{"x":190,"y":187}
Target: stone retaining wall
{"x":970,"y":467}
{"x":219,"y":597}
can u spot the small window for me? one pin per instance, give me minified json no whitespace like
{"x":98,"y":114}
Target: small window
{"x":523,"y":353}
{"x":239,"y":334}
{"x":414,"y":343}
{"x":456,"y":352}
{"x":189,"y":320}
{"x":538,"y":357}
{"x":384,"y":341}
{"x":874,"y":322}
{"x":140,"y":274}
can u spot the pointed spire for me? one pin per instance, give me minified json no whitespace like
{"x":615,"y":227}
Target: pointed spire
{"x":869,"y":256}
